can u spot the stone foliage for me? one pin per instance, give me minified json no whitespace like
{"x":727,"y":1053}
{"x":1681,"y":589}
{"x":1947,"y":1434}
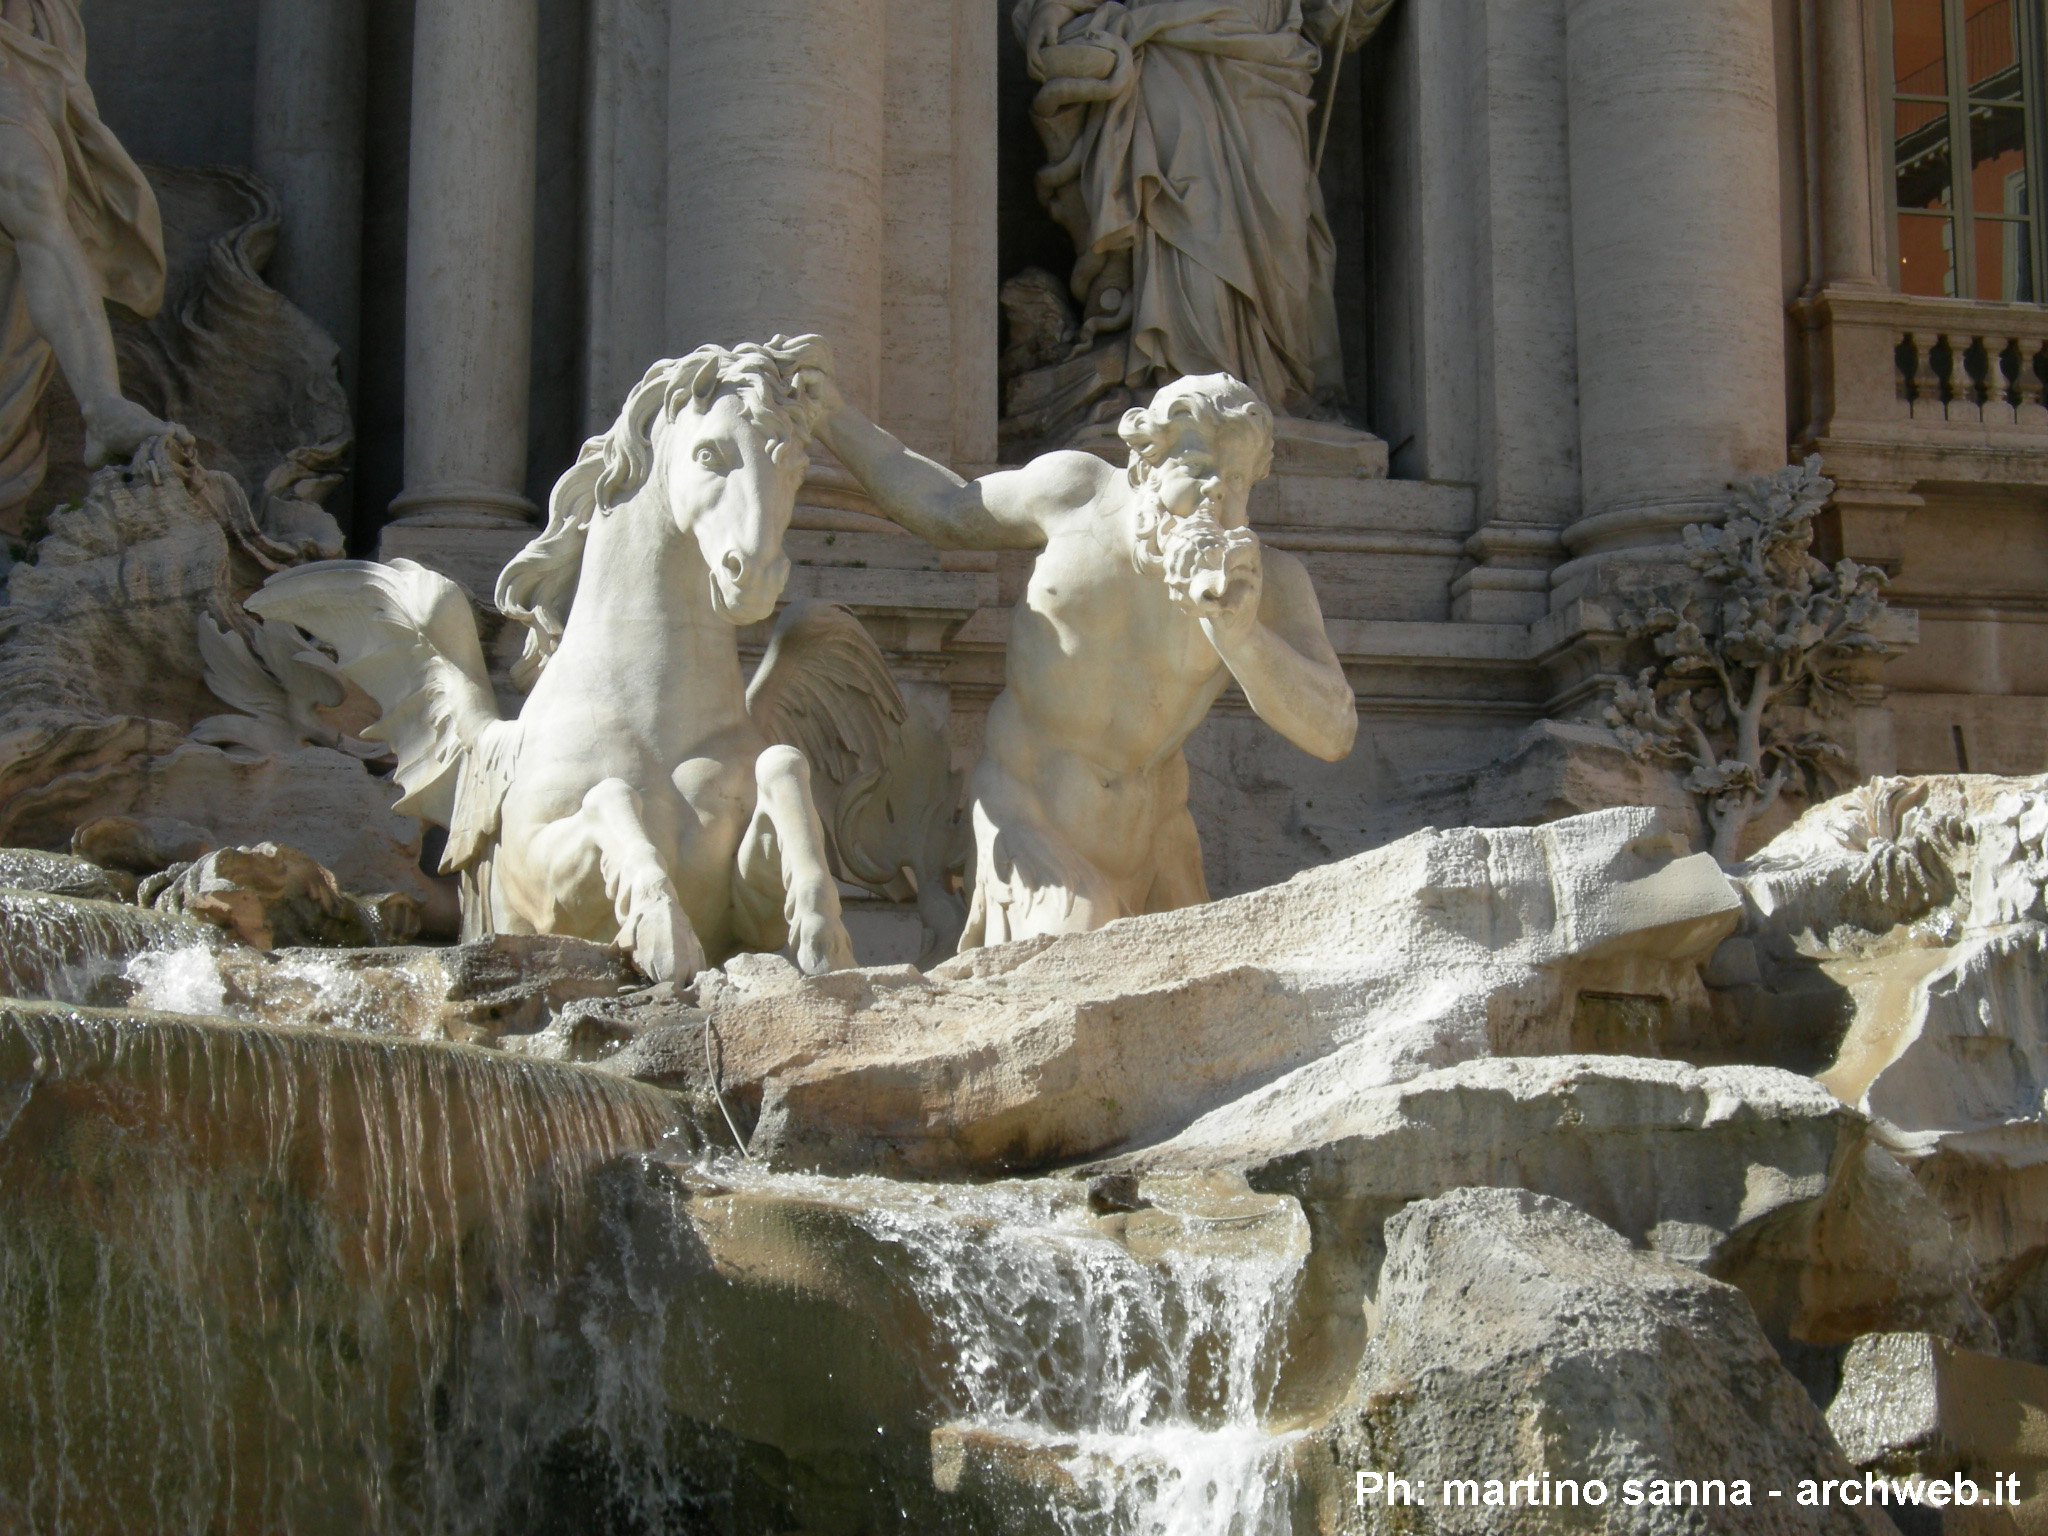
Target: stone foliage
{"x":1756,"y":651}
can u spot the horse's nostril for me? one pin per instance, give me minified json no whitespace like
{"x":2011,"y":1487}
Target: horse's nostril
{"x":735,"y":564}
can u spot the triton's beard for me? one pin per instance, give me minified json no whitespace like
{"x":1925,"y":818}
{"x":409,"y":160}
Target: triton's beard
{"x":1194,"y":555}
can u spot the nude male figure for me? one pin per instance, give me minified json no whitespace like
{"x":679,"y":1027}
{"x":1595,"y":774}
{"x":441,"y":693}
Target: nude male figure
{"x":1149,"y":595}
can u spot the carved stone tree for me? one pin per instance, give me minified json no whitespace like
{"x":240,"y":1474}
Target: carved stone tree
{"x":1755,"y":655}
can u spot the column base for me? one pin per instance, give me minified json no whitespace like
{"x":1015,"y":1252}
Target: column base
{"x":470,"y":555}
{"x":464,"y":530}
{"x":462,"y":504}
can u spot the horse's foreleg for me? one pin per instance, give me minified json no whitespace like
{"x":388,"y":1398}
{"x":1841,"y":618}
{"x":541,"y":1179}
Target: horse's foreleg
{"x":782,"y":865}
{"x":653,"y":927}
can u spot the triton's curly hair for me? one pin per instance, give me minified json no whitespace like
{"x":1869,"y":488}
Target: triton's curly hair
{"x":1223,"y":407}
{"x":778,"y":388}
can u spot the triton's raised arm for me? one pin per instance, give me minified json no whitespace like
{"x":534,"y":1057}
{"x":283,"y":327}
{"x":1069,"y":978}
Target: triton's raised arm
{"x":1006,"y":510}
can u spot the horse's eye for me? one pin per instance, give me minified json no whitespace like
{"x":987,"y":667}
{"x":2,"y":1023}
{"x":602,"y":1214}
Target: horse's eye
{"x":708,"y":457}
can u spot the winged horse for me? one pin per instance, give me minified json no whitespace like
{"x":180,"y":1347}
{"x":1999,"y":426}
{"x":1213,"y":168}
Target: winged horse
{"x":644,"y":795}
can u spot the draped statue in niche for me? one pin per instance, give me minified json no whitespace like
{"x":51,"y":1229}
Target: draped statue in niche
{"x":81,"y":227}
{"x":1181,"y":138}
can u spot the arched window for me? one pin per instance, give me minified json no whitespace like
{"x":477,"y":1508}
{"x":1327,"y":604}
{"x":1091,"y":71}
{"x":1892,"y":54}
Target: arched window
{"x":1968,"y":147}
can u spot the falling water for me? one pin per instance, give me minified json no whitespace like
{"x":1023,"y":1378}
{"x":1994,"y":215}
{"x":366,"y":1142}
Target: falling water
{"x":74,"y":951}
{"x":1121,"y":1367}
{"x":261,"y":1279}
{"x":299,"y":987}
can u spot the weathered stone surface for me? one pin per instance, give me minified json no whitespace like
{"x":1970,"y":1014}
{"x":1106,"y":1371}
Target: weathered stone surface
{"x":272,"y":897}
{"x":141,"y":845}
{"x":1915,"y":1407}
{"x":1924,"y":904}
{"x":60,"y":874}
{"x":1748,"y":1173}
{"x":1518,"y":1337}
{"x":1444,"y":946}
{"x":101,"y":677}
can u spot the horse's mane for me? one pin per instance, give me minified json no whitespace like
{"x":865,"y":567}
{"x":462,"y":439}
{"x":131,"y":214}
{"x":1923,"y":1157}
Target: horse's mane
{"x":778,"y":388}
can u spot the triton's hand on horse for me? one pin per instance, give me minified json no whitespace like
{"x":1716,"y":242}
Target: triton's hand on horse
{"x":635,"y":799}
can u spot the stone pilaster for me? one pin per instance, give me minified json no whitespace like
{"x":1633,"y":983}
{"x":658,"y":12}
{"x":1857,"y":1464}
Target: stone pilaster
{"x":309,"y":147}
{"x":469,"y":284}
{"x":1676,"y":265}
{"x":775,"y":191}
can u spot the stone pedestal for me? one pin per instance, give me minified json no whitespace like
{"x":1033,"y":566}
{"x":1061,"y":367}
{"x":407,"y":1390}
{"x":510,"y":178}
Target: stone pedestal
{"x":1676,"y":264}
{"x":469,"y":263}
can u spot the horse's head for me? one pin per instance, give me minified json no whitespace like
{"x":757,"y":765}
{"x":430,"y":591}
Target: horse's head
{"x":720,"y":439}
{"x":732,"y":457}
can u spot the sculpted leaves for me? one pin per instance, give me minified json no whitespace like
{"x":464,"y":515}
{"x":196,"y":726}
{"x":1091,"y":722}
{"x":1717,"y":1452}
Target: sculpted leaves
{"x":1754,"y":655}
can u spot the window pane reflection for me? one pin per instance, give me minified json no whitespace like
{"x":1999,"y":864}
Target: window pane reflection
{"x":1967,"y":139}
{"x":1919,"y":51}
{"x":1923,"y":168}
{"x":1927,"y":255}
{"x":1998,"y":159}
{"x":1991,"y":40}
{"x":2005,"y":261}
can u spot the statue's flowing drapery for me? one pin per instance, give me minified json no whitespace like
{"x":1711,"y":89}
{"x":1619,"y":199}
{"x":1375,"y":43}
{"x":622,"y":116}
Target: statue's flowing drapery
{"x":1191,"y":152}
{"x":111,"y":209}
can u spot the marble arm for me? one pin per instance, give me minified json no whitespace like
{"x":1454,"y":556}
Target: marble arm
{"x":1286,"y":665}
{"x":999,"y":511}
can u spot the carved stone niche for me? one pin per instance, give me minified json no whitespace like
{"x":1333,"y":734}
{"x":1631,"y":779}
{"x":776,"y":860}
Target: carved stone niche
{"x":1110,"y":292}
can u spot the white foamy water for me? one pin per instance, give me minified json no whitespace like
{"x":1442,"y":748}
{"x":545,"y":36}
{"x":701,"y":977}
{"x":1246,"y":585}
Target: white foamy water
{"x":1142,"y":1372}
{"x":312,"y":991}
{"x":178,"y":981}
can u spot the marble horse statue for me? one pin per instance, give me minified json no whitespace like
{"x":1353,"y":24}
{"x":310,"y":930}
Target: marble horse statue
{"x":645,"y":795}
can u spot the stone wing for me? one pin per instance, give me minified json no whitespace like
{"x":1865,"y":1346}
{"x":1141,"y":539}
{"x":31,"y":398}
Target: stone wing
{"x":407,"y":637}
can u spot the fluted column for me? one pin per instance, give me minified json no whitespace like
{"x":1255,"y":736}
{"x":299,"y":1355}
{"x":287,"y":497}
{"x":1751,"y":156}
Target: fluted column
{"x":775,"y":177}
{"x":469,"y":263}
{"x":309,"y":147}
{"x":1676,"y":262}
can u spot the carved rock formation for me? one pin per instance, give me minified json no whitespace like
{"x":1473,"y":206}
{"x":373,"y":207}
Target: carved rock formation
{"x":1520,"y":1338}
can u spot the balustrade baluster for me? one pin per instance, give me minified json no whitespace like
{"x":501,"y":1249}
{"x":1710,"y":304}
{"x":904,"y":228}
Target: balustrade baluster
{"x":1925,"y":383}
{"x":1962,"y":389}
{"x":1997,"y":386}
{"x":2032,"y":409}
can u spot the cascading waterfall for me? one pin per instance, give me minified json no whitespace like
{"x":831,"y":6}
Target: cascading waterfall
{"x":1139,"y":1365}
{"x":328,"y":1279}
{"x":75,"y":951}
{"x":259,"y":1279}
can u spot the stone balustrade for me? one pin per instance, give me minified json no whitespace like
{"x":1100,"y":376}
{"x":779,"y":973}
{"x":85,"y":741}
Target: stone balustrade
{"x":1989,"y":368}
{"x":1906,"y":392}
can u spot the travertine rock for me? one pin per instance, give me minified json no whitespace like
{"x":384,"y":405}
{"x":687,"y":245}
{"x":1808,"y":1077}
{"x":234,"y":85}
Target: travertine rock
{"x":271,"y":897}
{"x":140,"y":845}
{"x":1923,"y":903}
{"x":1521,"y":1338}
{"x":1754,"y":1175}
{"x":1914,"y":1407}
{"x":101,"y":678}
{"x":510,"y":990}
{"x":1441,"y":947}
{"x":61,"y":874}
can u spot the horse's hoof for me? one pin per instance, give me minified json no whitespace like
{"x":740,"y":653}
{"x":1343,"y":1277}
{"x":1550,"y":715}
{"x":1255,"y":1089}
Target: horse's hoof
{"x":663,"y":944}
{"x":822,"y":945}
